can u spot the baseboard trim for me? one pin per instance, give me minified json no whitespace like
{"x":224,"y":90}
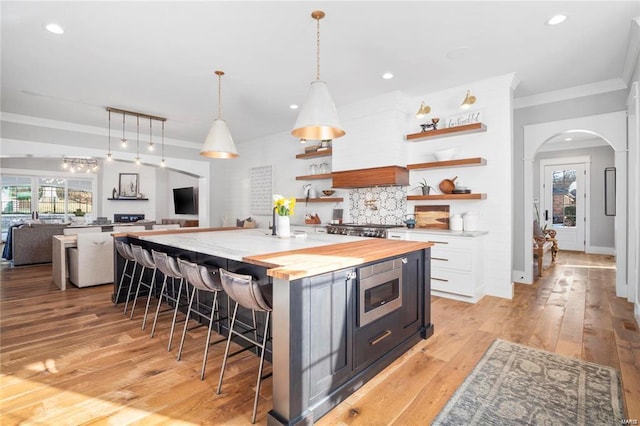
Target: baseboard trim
{"x":611,"y":251}
{"x":520,"y":277}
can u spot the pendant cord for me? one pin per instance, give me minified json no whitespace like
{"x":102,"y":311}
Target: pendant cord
{"x":163,"y":141}
{"x":318,"y":49}
{"x":150,"y":133}
{"x":219,"y":95}
{"x":109,"y":133}
{"x":137,"y":138}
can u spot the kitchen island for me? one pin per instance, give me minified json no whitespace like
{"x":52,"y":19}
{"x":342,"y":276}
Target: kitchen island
{"x":343,"y":307}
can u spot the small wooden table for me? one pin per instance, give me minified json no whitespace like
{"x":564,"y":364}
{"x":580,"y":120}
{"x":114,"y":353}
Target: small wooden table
{"x":60,"y":244}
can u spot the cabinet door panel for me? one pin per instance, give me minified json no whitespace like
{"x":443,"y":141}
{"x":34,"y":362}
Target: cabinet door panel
{"x":330,"y":328}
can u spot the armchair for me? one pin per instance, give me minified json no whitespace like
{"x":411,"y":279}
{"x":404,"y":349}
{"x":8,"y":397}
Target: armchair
{"x":91,"y":262}
{"x":543,"y":241}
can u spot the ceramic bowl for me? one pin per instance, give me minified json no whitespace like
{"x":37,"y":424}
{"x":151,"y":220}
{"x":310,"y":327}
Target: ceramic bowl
{"x":445,"y":154}
{"x":328,"y":192}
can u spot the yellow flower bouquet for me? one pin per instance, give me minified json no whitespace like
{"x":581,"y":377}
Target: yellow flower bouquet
{"x":284,"y":206}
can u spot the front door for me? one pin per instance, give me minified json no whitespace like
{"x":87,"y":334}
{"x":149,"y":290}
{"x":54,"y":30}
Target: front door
{"x":564,"y":204}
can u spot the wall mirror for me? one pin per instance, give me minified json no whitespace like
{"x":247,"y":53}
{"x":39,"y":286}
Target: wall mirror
{"x":128,"y":185}
{"x":610,"y":191}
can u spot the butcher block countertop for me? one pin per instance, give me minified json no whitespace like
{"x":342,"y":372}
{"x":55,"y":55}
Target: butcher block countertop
{"x":290,"y":258}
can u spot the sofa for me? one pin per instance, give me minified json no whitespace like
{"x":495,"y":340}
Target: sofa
{"x":31,"y":243}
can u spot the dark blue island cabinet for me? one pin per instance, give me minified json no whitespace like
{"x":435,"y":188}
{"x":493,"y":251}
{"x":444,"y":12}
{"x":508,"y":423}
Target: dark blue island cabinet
{"x":324,"y":351}
{"x":332,"y":331}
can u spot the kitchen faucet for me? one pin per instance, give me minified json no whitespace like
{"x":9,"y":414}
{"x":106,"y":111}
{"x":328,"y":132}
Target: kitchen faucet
{"x":273,"y":220}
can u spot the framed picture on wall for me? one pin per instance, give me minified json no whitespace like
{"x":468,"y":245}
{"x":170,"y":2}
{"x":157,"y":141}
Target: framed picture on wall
{"x":128,"y":185}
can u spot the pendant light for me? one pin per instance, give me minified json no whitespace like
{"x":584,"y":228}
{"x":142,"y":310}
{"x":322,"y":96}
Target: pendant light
{"x":109,"y":155}
{"x":124,"y":139}
{"x":138,"y":140}
{"x":318,"y":118}
{"x":163,"y":163}
{"x":219,"y":143}
{"x":150,"y":147}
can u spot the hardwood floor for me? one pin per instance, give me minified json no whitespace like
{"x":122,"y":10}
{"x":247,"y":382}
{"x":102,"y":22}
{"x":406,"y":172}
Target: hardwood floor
{"x":71,"y":358}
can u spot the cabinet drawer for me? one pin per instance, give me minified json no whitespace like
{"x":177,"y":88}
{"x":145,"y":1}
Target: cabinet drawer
{"x":396,"y":235}
{"x":452,"y":282}
{"x":440,"y":240}
{"x":377,"y":338}
{"x":460,"y":260}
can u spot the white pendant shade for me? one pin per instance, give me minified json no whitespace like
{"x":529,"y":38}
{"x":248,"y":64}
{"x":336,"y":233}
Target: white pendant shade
{"x":318,"y":118}
{"x":219,"y":143}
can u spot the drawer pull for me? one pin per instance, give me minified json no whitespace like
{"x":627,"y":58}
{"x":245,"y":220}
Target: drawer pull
{"x":439,"y":242}
{"x":396,"y":236}
{"x":440,"y":279}
{"x":439,"y":258}
{"x":380,"y":338}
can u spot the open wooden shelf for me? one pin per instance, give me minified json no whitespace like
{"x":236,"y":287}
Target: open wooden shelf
{"x":314,"y":177}
{"x":477,"y":161}
{"x":447,"y":197}
{"x":449,"y":131}
{"x":320,"y":200}
{"x":313,"y":154}
{"x":128,"y":199}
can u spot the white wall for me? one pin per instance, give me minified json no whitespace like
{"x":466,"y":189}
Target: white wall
{"x":146,"y":185}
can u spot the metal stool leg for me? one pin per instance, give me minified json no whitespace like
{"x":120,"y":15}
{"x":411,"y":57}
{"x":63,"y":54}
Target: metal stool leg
{"x":124,"y":272}
{"x":186,"y":323}
{"x":135,"y":299}
{"x":151,"y":286}
{"x":175,"y":313}
{"x":155,"y":318}
{"x":226,"y":349}
{"x":259,"y":380}
{"x":133,"y":274}
{"x":206,"y":346}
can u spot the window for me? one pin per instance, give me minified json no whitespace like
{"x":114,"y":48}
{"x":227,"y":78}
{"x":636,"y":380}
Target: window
{"x":15,"y":198}
{"x":53,"y":197}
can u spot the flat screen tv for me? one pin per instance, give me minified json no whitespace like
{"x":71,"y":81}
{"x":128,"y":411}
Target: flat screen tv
{"x":184,"y":200}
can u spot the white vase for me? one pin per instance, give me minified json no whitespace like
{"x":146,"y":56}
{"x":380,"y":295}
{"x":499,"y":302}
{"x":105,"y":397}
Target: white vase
{"x":283,"y":226}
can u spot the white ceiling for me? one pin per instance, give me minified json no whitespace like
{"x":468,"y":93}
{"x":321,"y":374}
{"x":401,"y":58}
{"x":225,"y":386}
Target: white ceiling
{"x":158,"y":57}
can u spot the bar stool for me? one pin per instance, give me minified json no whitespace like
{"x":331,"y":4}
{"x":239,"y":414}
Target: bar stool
{"x":124,"y":249}
{"x":246,"y":292}
{"x":201,"y":278}
{"x":143,"y":257}
{"x":170,"y":269}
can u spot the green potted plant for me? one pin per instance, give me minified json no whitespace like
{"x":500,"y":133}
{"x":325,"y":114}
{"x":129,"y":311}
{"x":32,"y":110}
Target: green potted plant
{"x":424,"y":187}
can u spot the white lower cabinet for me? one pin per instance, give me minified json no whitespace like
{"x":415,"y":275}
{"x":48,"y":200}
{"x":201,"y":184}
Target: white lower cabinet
{"x":457,"y":267}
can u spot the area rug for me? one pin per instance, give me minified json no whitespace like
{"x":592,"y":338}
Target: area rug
{"x":514,"y":384}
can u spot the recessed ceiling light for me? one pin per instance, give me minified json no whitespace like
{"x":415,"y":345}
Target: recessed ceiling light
{"x":387,"y":76}
{"x":567,"y":139}
{"x":54,"y":28}
{"x":556,"y":19}
{"x":293,"y":106}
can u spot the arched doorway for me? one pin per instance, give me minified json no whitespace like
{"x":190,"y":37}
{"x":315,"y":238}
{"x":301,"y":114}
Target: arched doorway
{"x":608,"y":127}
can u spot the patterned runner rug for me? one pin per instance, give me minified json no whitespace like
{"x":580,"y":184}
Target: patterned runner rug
{"x":514,"y":384}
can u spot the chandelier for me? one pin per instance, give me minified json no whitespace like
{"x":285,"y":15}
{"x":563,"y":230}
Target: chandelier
{"x":124,"y":140}
{"x":80,"y":164}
